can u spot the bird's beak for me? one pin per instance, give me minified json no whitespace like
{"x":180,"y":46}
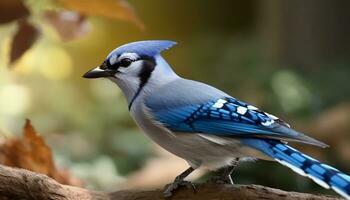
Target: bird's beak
{"x":98,"y":73}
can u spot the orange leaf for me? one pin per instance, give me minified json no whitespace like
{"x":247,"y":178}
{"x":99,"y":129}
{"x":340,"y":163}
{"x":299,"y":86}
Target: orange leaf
{"x":11,"y":10}
{"x":32,"y":153}
{"x":23,"y":39}
{"x":69,"y":25}
{"x":114,"y":9}
{"x":39,"y":156}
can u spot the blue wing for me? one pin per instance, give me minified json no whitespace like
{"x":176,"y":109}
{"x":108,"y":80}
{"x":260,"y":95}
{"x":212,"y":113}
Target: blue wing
{"x":227,"y":116}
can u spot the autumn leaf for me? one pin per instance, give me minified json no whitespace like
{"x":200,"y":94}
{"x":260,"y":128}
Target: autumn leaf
{"x":12,"y":10}
{"x":32,"y":153}
{"x":23,"y":39}
{"x":114,"y":9}
{"x":69,"y":25}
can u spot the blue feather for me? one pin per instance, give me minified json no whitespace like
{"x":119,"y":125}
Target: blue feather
{"x":226,"y":117}
{"x":147,"y":48}
{"x":322,"y":174}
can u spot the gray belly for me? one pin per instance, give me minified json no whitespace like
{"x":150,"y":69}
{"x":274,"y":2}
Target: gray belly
{"x":199,"y":151}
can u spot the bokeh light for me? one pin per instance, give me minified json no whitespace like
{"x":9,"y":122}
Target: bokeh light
{"x":14,"y":99}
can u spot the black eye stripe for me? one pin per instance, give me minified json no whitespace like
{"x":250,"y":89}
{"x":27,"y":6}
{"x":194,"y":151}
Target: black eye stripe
{"x":125,"y":62}
{"x":105,"y":65}
{"x":149,"y":64}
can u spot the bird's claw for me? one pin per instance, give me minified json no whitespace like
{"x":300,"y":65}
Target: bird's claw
{"x":172,"y":187}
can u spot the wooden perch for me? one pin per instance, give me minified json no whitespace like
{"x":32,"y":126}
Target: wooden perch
{"x":23,"y":184}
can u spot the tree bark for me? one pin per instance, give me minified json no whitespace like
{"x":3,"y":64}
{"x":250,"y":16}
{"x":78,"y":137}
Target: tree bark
{"x":23,"y":184}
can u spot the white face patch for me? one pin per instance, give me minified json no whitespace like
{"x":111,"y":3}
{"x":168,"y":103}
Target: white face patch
{"x":219,"y":103}
{"x":113,"y":59}
{"x":131,"y":56}
{"x":241,"y":110}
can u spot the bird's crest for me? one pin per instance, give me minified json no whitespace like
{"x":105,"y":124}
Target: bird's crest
{"x":147,"y":47}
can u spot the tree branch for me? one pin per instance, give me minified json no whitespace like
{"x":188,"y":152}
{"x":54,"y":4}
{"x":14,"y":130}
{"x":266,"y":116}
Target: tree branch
{"x":23,"y":184}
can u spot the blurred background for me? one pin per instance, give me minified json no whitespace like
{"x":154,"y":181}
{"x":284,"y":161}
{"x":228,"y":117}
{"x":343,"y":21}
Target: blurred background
{"x":290,"y":58}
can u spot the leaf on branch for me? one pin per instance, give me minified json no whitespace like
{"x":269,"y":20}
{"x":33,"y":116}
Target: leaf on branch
{"x":32,"y":153}
{"x":12,"y":10}
{"x":69,"y":25}
{"x":23,"y":39}
{"x":114,"y":9}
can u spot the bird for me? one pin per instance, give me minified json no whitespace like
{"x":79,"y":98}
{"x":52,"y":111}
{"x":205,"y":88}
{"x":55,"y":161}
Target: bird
{"x":203,"y":125}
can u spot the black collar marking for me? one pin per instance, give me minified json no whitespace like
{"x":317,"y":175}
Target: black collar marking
{"x":147,"y":68}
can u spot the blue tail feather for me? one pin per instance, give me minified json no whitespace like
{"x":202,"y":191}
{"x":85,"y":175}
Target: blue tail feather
{"x":324,"y":175}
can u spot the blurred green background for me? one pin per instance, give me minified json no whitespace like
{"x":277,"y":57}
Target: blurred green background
{"x":290,"y":58}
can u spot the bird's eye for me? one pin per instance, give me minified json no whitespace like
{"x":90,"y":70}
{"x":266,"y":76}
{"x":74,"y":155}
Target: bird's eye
{"x":125,"y":62}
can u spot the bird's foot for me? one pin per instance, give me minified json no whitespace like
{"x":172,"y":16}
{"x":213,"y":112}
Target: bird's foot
{"x":172,"y":187}
{"x":221,"y":180}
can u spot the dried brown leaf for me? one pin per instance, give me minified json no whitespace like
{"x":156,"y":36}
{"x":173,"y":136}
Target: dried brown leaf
{"x":114,"y":9}
{"x":23,"y":39}
{"x":11,"y":10}
{"x":69,"y":25}
{"x":32,"y":153}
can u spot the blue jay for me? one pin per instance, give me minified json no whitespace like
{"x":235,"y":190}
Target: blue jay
{"x":204,"y":125}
